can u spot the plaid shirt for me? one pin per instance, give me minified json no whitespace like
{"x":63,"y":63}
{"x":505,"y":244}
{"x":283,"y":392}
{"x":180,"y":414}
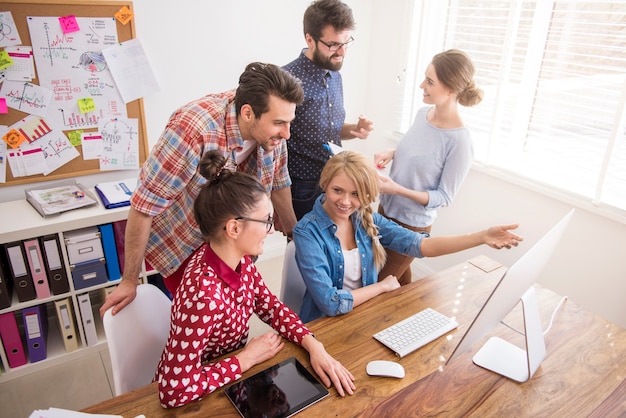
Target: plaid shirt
{"x":169,"y":181}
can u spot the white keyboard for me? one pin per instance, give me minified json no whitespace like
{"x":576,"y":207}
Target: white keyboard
{"x":408,"y":335}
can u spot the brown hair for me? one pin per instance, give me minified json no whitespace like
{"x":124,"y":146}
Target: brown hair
{"x":226,"y":194}
{"x":323,"y":13}
{"x":363,"y":173}
{"x":455,"y":70}
{"x":259,"y":81}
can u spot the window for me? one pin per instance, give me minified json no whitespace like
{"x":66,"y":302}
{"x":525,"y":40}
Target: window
{"x":554,"y":76}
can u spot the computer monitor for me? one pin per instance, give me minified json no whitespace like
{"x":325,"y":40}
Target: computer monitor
{"x":516,"y":284}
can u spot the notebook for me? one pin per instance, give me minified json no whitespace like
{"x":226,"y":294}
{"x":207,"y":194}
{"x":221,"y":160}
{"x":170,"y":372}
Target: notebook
{"x":278,"y":391}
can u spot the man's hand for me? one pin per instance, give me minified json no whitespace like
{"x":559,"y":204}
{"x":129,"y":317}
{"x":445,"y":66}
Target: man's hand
{"x":363,"y":128}
{"x":120,"y":297}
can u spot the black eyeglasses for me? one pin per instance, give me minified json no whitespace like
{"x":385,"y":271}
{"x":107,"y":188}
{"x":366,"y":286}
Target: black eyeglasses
{"x":336,"y":46}
{"x":269,"y":222}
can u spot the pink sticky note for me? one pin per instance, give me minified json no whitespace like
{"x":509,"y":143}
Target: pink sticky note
{"x":3,"y":105}
{"x":69,"y":24}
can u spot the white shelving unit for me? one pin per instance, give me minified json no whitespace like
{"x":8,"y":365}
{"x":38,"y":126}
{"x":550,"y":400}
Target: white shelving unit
{"x":19,"y":222}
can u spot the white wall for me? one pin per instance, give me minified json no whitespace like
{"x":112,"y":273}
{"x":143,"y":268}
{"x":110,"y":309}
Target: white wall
{"x":202,"y":47}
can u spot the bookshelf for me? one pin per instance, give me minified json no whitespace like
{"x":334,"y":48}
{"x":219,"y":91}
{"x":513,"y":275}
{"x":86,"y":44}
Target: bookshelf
{"x":20,"y":221}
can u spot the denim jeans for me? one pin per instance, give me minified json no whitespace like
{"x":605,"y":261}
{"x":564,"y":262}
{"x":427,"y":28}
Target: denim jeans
{"x":303,"y":195}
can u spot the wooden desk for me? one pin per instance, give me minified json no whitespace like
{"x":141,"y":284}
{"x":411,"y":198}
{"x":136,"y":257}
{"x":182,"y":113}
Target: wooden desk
{"x":583,"y":374}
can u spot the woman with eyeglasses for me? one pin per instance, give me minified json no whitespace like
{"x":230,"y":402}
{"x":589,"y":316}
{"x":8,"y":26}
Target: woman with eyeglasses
{"x":341,"y":243}
{"x":221,"y":289}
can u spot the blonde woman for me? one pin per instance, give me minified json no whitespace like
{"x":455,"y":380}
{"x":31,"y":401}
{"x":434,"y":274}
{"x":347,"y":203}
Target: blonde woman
{"x":340,"y":244}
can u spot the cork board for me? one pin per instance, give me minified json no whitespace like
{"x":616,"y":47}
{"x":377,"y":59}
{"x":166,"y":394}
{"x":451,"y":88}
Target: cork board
{"x":79,"y":8}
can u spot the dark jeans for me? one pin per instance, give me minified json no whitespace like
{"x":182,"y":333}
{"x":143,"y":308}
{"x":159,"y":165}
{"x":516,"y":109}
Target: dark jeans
{"x":303,"y":195}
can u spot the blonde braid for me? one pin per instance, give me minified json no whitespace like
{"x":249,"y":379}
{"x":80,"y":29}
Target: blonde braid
{"x":380,"y":255}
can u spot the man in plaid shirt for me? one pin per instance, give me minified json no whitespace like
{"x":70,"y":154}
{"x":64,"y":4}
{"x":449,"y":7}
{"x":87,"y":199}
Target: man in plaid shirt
{"x":250,"y":126}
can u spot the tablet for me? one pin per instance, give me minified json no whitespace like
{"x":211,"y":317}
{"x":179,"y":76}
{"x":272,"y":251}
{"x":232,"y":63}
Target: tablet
{"x":278,"y":391}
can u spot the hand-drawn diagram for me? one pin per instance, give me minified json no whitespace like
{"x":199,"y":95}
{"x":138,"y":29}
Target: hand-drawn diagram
{"x":73,"y":67}
{"x":8,"y":31}
{"x":26,"y":97}
{"x":120,"y":144}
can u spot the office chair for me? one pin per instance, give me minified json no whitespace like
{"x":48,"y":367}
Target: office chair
{"x":293,"y":287}
{"x":136,"y":336}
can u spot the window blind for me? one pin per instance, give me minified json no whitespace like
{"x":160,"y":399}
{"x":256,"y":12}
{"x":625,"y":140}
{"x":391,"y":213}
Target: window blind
{"x":554,"y":76}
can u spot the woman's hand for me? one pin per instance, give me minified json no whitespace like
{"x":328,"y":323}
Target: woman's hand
{"x":387,"y":185}
{"x":381,"y":159}
{"x":499,"y":237}
{"x":260,"y":349}
{"x":390,"y":283}
{"x":327,"y":368}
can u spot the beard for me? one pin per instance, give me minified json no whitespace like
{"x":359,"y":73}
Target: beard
{"x":325,"y":62}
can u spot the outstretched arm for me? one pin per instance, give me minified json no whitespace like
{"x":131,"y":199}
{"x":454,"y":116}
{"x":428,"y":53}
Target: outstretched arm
{"x":497,"y":237}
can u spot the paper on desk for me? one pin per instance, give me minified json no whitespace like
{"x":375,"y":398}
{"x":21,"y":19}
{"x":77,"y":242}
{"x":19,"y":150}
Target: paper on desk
{"x":485,"y":263}
{"x":65,"y":413}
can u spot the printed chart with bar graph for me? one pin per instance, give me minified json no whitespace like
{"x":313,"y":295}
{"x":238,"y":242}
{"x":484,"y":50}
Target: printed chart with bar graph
{"x":34,"y":128}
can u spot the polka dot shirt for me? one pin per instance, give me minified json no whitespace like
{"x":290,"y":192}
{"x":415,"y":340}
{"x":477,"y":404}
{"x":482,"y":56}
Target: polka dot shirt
{"x":319,"y":118}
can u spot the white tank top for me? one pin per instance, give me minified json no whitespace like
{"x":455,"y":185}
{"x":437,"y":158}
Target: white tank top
{"x":352,"y":269}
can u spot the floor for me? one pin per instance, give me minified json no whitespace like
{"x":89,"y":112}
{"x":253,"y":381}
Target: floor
{"x":87,"y":380}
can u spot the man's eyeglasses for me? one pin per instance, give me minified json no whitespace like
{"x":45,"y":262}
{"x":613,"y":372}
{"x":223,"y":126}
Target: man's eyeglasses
{"x":269,"y":222}
{"x":336,"y":46}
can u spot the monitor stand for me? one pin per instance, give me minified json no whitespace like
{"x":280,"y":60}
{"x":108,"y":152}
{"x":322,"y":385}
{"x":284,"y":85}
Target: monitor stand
{"x":509,"y":360}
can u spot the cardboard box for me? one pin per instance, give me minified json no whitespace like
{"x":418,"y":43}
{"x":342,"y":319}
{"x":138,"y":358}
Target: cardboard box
{"x":83,"y":245}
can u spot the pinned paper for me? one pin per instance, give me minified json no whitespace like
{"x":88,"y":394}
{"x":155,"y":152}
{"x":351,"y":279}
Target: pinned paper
{"x":124,"y":15}
{"x":26,"y":97}
{"x":69,"y":24}
{"x":130,"y":69}
{"x":3,"y":158}
{"x":14,"y":138}
{"x":92,"y":145}
{"x":5,"y":60}
{"x":9,"y":35}
{"x":23,"y":68}
{"x":27,"y":162}
{"x":75,"y":137}
{"x":86,"y":105}
{"x":3,"y":106}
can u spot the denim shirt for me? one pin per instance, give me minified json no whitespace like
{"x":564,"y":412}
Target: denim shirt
{"x":320,"y":258}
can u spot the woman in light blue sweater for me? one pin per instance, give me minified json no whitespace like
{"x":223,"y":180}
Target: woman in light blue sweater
{"x":434,"y":156}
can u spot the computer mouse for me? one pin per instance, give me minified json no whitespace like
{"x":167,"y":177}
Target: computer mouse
{"x":385,"y":368}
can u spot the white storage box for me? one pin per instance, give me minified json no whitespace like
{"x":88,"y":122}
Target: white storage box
{"x":83,"y":245}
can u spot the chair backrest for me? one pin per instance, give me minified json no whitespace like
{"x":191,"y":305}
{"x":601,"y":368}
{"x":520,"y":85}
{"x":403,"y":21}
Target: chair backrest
{"x":293,"y":287}
{"x":136,"y":337}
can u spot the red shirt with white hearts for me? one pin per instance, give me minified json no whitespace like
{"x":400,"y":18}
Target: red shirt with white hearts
{"x":210,"y":317}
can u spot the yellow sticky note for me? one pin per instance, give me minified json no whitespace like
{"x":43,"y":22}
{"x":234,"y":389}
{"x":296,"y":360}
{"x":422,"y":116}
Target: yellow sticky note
{"x":75,"y":137}
{"x":86,"y":105}
{"x":124,"y":15}
{"x":5,"y":60}
{"x":14,"y":138}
